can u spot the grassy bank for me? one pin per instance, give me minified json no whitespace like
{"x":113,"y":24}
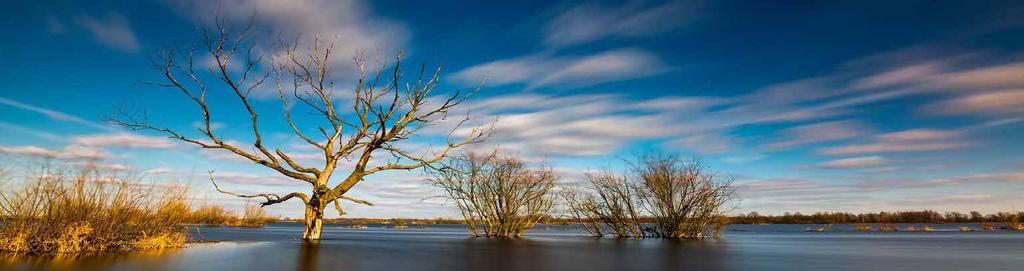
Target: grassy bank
{"x":71,"y":210}
{"x":90,"y":211}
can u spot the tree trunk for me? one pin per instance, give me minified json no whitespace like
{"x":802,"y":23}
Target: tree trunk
{"x":314,"y":222}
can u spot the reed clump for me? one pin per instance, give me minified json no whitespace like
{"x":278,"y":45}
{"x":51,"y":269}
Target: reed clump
{"x":863,"y":227}
{"x":91,"y":211}
{"x":887,"y":227}
{"x":253,"y":217}
{"x":211,"y":215}
{"x":1014,"y":224}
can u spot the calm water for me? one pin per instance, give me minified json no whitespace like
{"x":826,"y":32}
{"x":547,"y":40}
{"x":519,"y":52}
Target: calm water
{"x":449,"y":247}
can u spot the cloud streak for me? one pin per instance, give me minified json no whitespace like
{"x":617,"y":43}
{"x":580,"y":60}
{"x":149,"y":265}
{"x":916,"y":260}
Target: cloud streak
{"x":113,"y":31}
{"x":594,"y":21}
{"x":567,"y":71}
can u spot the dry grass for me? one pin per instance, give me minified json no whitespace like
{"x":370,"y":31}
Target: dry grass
{"x":1014,"y":224}
{"x":90,"y":211}
{"x":211,"y":215}
{"x":863,"y":227}
{"x":887,"y":227}
{"x":254,"y":217}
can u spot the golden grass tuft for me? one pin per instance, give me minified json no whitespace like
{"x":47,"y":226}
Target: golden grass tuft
{"x":91,"y":211}
{"x":863,"y":227}
{"x":254,"y":217}
{"x":211,"y":215}
{"x":1014,"y":224}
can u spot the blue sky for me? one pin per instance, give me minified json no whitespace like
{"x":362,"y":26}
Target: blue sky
{"x":809,"y":106}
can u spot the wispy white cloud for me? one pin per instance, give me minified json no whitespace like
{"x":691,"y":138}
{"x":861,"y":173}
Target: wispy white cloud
{"x":158,"y":171}
{"x":351,"y":24}
{"x":918,"y":135}
{"x":114,"y":31}
{"x":931,"y":201}
{"x":704,"y":143}
{"x":856,"y":162}
{"x":123,"y":140}
{"x":254,"y":179}
{"x":916,"y":140}
{"x":92,"y":164}
{"x":568,"y":71}
{"x":1005,"y":102}
{"x":55,"y":115}
{"x":71,"y":152}
{"x":817,"y":133}
{"x":609,"y":66}
{"x":594,"y":21}
{"x":22,"y":130}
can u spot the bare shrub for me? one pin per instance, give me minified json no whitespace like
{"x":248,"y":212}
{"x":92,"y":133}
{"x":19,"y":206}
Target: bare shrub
{"x":90,"y":211}
{"x":609,"y":206}
{"x":499,"y":192}
{"x":660,"y":196}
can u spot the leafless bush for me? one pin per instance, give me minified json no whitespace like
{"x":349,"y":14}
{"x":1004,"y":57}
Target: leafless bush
{"x":661,"y":196}
{"x":499,"y":192}
{"x":608,"y":206}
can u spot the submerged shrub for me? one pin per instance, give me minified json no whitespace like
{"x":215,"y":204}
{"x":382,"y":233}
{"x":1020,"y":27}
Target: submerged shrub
{"x":89,"y":210}
{"x":499,"y":192}
{"x":661,"y":196}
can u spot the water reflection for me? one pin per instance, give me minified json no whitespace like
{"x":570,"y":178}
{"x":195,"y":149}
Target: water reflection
{"x":755,"y":248}
{"x":308,"y":253}
{"x":149,"y":260}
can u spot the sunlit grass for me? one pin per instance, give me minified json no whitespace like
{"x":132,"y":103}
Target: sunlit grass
{"x":254,"y":217}
{"x":89,"y":211}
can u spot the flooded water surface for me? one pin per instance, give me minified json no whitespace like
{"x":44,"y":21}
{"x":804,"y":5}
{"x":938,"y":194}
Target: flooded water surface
{"x":449,"y":247}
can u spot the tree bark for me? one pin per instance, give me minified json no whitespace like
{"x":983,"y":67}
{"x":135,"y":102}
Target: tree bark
{"x":314,"y":222}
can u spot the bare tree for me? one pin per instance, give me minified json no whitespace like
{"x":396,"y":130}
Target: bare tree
{"x":386,"y":109}
{"x":661,"y":196}
{"x":497,"y":191}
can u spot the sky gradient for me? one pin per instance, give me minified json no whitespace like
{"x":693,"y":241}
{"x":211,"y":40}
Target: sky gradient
{"x":809,"y":106}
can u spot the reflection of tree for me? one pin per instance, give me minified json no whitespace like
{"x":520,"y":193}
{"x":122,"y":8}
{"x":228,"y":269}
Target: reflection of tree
{"x":307,"y":256}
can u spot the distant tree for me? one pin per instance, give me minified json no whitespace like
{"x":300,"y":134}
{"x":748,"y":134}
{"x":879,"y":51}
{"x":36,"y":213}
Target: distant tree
{"x":386,"y":109}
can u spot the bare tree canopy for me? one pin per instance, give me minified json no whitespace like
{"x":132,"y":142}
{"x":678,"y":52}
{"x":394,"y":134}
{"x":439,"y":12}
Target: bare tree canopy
{"x":499,"y":192}
{"x":661,"y":196}
{"x":386,"y":109}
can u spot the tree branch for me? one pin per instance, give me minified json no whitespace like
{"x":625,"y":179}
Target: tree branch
{"x":270,"y":198}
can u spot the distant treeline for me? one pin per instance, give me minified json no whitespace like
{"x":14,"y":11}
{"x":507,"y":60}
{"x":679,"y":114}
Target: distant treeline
{"x":926,"y":216}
